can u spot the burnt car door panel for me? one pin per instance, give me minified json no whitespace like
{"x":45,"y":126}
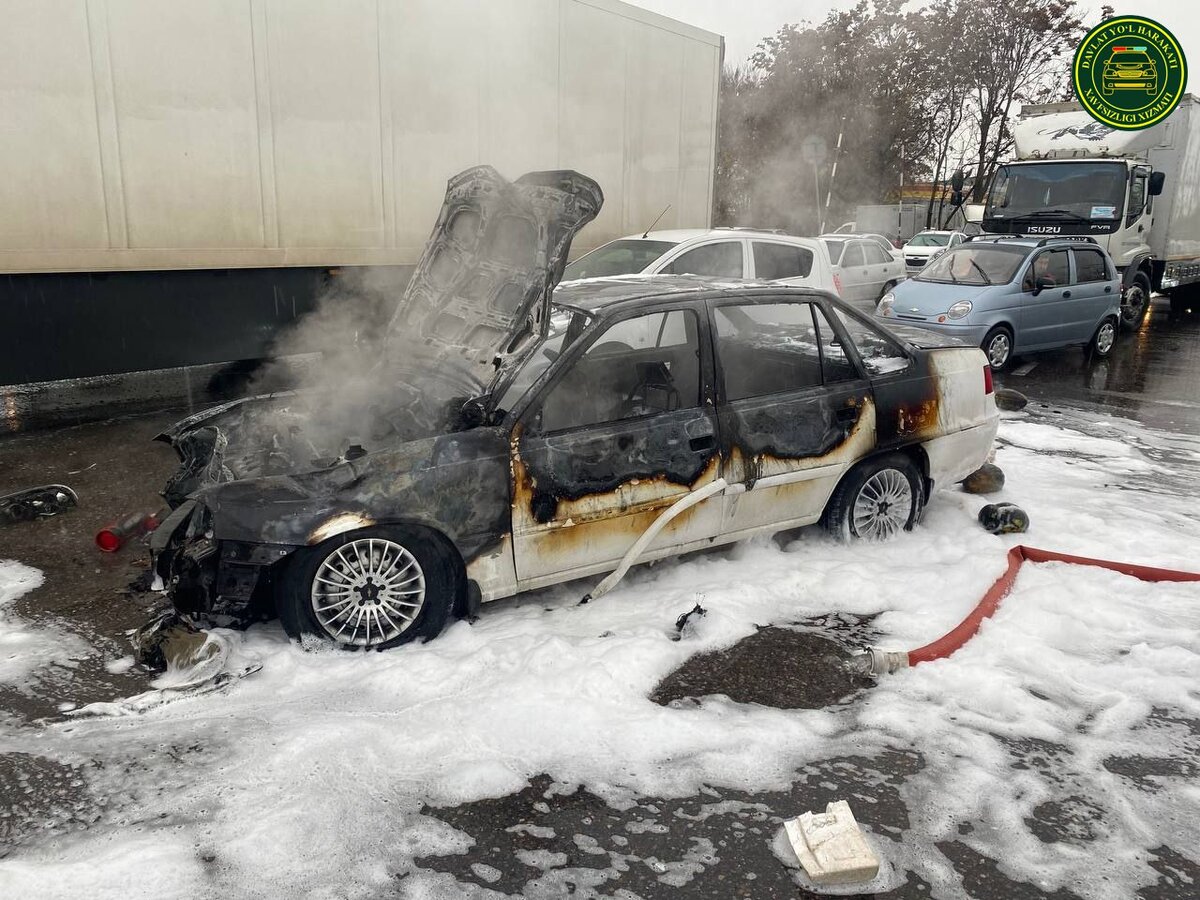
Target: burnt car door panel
{"x":795,"y":411}
{"x":623,"y":430}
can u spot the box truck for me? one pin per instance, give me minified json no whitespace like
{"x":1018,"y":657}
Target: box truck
{"x":182,"y":181}
{"x":1136,"y":193}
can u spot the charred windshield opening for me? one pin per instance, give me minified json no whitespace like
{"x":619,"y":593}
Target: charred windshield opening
{"x":1086,"y":190}
{"x":617,"y":258}
{"x":995,"y":264}
{"x":566,"y":325}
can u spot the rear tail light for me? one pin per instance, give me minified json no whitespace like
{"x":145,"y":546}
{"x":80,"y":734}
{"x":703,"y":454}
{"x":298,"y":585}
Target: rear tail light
{"x":987,"y":380}
{"x":837,"y":283}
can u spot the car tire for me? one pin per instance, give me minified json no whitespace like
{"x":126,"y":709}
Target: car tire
{"x":1102,"y":342}
{"x":997,"y":346}
{"x":418,"y":563}
{"x":891,"y":285}
{"x":1133,"y":311}
{"x":876,"y":500}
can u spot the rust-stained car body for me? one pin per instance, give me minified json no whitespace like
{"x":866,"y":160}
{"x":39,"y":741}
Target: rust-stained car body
{"x":525,"y":440}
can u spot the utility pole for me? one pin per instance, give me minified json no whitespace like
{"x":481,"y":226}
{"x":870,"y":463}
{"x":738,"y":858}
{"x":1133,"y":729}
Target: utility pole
{"x":900,"y":202}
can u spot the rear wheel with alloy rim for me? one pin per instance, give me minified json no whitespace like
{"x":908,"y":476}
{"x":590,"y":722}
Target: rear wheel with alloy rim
{"x":997,"y":346}
{"x":370,"y":589}
{"x":1102,"y":341}
{"x":877,"y":500}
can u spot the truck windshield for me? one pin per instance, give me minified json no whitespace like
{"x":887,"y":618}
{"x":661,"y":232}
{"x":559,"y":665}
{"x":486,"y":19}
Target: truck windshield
{"x":975,"y":264}
{"x":1085,"y":190}
{"x":626,"y":257}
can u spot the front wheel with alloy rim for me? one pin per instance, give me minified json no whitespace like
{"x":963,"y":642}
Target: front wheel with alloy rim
{"x":877,"y":500}
{"x":369,"y":589}
{"x":1102,"y":341}
{"x":1135,"y":300}
{"x":997,"y":347}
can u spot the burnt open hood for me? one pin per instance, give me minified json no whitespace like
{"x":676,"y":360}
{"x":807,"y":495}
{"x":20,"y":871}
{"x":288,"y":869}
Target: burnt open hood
{"x":481,"y":290}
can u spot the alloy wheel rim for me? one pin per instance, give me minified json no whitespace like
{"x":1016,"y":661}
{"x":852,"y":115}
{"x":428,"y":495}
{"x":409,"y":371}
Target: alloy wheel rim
{"x":367,"y":592}
{"x":1104,"y":340}
{"x":883,"y":505}
{"x":998,"y":350}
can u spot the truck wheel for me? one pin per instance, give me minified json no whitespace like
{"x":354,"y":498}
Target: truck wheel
{"x":370,"y":589}
{"x":997,"y":347}
{"x":877,"y":500}
{"x":1102,"y":341}
{"x":1135,"y":301}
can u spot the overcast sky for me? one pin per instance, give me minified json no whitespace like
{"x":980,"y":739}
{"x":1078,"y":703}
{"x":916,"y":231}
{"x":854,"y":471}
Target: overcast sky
{"x":746,"y":22}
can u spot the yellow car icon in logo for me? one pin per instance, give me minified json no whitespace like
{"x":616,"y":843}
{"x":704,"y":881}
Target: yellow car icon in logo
{"x":1129,"y":68}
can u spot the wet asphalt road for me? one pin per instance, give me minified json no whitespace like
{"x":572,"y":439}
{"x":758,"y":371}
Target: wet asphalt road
{"x":1152,"y":378}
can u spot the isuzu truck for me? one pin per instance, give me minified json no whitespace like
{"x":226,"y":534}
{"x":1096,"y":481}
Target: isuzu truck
{"x":1136,"y":193}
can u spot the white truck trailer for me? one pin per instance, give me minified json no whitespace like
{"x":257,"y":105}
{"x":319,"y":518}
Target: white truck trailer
{"x":1137,"y":193}
{"x":180,"y":178}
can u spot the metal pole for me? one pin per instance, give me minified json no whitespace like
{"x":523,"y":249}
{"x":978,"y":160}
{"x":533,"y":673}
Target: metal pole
{"x":837,"y":152}
{"x":817,"y":193}
{"x":900,"y":202}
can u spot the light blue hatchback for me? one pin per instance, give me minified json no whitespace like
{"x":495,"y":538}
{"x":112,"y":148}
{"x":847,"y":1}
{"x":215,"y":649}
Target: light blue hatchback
{"x":1014,"y":295}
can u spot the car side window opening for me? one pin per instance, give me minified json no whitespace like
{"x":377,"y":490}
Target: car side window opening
{"x":875,"y":255}
{"x":853,"y":256}
{"x":1050,"y":268}
{"x":640,"y":366}
{"x":880,"y":354}
{"x":767,"y":348}
{"x":773,"y":261}
{"x":722,"y":259}
{"x":835,"y":364}
{"x":1090,"y":266}
{"x":835,"y":250}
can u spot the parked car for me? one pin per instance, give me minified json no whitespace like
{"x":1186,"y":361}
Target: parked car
{"x":524,"y":439}
{"x":716,"y":252}
{"x":926,"y":245}
{"x":845,"y":228}
{"x":1014,"y":295}
{"x":882,"y":240}
{"x":864,"y":270}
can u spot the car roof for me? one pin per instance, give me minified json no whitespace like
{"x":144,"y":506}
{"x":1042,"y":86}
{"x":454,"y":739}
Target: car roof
{"x":594,"y":295}
{"x":1030,"y":242}
{"x":679,"y":235}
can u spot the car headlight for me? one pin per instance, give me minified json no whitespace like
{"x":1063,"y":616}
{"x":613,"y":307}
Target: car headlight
{"x":959,"y":309}
{"x":886,"y":302}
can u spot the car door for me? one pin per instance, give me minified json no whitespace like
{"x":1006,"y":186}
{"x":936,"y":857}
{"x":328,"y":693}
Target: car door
{"x":795,"y":411}
{"x":720,"y":258}
{"x":855,"y":287}
{"x":881,"y":267}
{"x":1093,"y":293}
{"x":623,"y":429}
{"x":1044,"y":310}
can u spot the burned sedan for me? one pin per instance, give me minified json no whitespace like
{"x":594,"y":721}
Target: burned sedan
{"x":520,"y":437}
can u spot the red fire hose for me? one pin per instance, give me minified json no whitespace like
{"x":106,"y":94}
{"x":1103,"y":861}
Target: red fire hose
{"x":883,"y":661}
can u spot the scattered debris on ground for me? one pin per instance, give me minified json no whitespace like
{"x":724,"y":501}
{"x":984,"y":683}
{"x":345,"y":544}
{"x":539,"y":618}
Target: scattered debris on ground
{"x":1004,"y":518}
{"x":36,"y":502}
{"x":1009,"y":400}
{"x":987,"y":479}
{"x":831,"y":847}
